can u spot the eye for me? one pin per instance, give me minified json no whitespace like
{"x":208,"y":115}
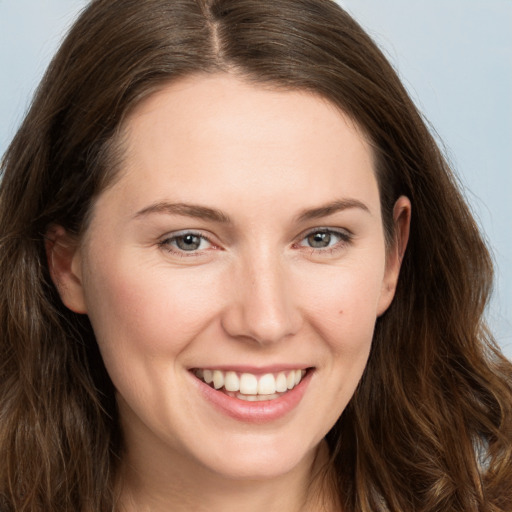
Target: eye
{"x":320,"y":240}
{"x":325,"y":238}
{"x":186,"y":242}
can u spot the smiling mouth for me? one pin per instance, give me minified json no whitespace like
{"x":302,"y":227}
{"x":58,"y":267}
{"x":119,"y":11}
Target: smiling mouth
{"x":251,"y":387}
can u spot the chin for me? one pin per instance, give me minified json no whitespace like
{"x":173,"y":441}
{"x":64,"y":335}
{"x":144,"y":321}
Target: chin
{"x":259,"y":458}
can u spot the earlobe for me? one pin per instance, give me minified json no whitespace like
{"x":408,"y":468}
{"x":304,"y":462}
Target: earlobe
{"x":64,"y":264}
{"x":395,"y":254}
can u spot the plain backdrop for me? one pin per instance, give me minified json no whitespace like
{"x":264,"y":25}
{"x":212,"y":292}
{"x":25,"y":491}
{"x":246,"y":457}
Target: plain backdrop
{"x":454,"y":56}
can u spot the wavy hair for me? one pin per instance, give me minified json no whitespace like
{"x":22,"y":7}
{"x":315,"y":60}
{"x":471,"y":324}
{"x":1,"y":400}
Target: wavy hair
{"x":430,"y":425}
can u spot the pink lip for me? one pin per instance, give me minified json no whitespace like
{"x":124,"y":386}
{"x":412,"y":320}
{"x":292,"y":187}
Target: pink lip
{"x":254,"y":412}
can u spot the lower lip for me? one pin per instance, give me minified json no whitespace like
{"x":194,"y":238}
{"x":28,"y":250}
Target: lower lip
{"x":255,"y":412}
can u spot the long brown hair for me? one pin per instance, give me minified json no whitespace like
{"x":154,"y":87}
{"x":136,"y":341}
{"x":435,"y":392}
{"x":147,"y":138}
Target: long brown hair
{"x":430,"y":425}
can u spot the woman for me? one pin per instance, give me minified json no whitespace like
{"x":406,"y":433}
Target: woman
{"x":236,"y":272}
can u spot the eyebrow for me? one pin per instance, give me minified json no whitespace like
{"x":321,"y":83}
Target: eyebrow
{"x":187,"y":210}
{"x":331,"y":208}
{"x":204,"y":212}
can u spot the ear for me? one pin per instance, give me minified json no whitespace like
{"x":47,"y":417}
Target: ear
{"x":395,"y":253}
{"x":64,"y":263}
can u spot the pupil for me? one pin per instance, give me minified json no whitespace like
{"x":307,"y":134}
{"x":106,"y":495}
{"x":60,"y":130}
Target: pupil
{"x":188,"y":242}
{"x":318,"y":240}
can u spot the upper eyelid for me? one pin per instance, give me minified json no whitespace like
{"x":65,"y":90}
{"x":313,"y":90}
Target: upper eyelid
{"x":183,"y":232}
{"x":169,"y":237}
{"x":325,"y":229}
{"x":346,"y":237}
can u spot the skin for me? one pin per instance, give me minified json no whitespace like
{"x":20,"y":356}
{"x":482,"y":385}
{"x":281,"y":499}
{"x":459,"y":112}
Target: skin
{"x":254,"y":293}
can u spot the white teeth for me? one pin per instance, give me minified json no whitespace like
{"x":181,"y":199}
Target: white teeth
{"x":267,"y":385}
{"x":290,"y":380}
{"x":231,"y":382}
{"x":248,"y":384}
{"x":250,"y":387}
{"x":281,"y":384}
{"x":207,"y":376}
{"x":218,"y":379}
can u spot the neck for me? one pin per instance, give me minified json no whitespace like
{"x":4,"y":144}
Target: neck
{"x":182,"y":486}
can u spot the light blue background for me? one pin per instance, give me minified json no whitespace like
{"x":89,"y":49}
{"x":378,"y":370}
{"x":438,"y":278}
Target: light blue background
{"x":455,"y":57}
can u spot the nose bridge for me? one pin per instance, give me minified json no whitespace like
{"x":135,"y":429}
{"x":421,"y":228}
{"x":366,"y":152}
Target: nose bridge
{"x":262,"y":307}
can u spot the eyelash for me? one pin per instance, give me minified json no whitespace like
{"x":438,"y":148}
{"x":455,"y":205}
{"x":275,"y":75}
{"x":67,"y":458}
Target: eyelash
{"x":345,"y":238}
{"x":169,"y":243}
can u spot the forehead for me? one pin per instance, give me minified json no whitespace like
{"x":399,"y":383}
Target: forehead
{"x":215,"y":135}
{"x":222,"y":100}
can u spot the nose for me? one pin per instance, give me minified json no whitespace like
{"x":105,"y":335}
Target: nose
{"x":261,"y":306}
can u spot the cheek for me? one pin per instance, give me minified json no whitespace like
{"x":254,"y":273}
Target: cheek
{"x":147,"y":309}
{"x":342,"y":310}
{"x":342,"y":303}
{"x":345,"y":317}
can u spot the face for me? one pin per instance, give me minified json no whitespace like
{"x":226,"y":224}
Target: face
{"x":233,"y":274}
